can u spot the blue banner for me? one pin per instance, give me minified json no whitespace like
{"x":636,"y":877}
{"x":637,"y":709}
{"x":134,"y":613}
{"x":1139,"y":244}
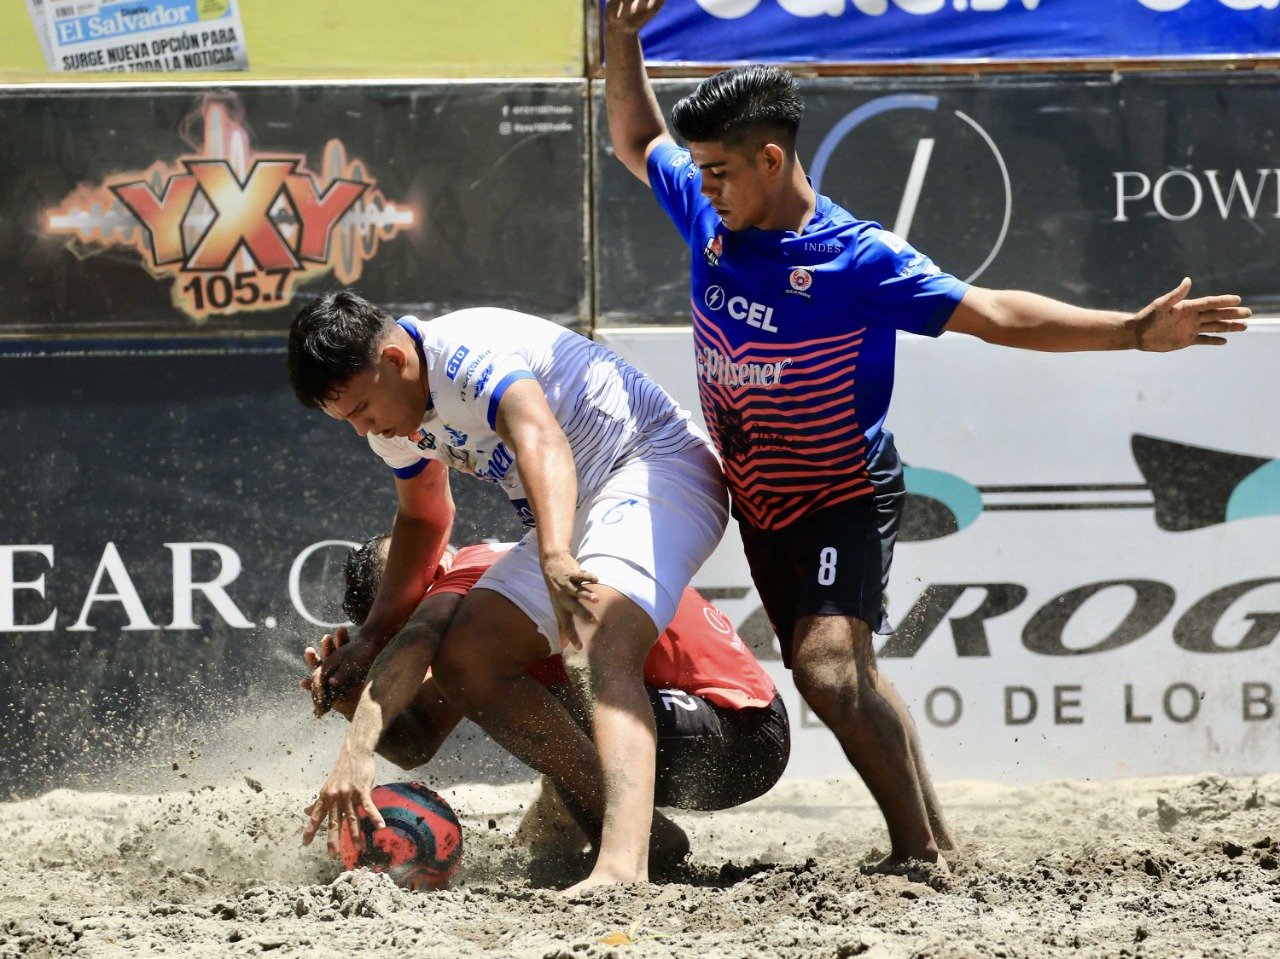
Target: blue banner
{"x":851,"y":31}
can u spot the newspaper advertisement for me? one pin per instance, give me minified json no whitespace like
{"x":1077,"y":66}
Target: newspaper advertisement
{"x":151,"y":36}
{"x":38,"y":20}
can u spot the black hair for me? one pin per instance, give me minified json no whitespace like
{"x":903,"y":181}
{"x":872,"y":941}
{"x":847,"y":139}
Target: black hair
{"x":363,"y":572}
{"x":736,"y":105}
{"x":331,"y":340}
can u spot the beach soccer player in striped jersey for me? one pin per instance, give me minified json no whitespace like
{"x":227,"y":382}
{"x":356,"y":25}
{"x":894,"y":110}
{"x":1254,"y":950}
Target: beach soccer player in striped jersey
{"x":796,"y":307}
{"x":722,"y":731}
{"x":623,"y":499}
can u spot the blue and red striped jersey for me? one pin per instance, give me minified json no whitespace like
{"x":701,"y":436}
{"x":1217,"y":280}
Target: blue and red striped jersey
{"x":794,"y":337}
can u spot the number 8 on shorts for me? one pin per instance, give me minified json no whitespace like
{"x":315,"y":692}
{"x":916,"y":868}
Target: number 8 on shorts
{"x":827,"y":566}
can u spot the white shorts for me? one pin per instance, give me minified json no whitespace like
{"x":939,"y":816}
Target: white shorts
{"x":644,"y":533}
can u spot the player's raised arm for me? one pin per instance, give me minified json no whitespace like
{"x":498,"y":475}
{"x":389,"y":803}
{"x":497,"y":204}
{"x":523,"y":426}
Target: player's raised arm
{"x":635,"y":120}
{"x":1033,"y":322}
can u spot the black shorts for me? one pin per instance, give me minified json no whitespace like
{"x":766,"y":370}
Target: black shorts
{"x":714,"y":757}
{"x":710,"y":756}
{"x":834,"y":562}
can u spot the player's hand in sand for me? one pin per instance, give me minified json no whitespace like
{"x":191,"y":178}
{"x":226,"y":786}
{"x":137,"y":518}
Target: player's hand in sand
{"x":570,"y":588}
{"x":1173,"y":322}
{"x":630,"y":16}
{"x":343,"y":797}
{"x":338,"y":671}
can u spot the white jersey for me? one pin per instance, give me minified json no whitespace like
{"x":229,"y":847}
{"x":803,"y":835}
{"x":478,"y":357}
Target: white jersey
{"x":610,"y":412}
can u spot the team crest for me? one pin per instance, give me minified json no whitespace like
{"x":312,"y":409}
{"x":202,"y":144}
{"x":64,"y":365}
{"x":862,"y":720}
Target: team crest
{"x":801,"y":279}
{"x":423,"y":439}
{"x":713,"y":249}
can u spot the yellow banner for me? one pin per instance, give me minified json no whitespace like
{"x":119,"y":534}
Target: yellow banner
{"x":294,"y":39}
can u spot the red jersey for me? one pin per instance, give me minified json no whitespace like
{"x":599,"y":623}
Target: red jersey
{"x":699,"y":653}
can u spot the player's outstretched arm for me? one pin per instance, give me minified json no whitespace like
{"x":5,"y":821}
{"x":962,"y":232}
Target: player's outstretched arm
{"x":1033,"y":322}
{"x":416,"y":734}
{"x":424,"y":519}
{"x":635,"y":120}
{"x":395,"y":679}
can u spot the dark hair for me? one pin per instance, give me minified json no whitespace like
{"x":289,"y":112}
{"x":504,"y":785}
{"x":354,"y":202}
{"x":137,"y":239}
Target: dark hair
{"x":736,"y":105}
{"x":363,"y":572}
{"x":331,"y":340}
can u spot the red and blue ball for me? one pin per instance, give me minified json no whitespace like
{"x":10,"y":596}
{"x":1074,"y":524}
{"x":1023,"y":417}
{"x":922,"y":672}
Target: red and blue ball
{"x":420,"y":847}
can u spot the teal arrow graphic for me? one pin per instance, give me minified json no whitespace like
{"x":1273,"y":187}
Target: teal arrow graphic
{"x":1190,"y":488}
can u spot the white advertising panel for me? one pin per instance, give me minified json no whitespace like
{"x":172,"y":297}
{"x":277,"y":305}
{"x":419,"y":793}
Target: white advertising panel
{"x":1087,"y":583}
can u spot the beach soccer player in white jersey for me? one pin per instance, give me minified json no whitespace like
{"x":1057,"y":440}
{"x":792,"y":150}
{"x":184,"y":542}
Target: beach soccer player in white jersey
{"x":795,"y":387}
{"x":624,"y":500}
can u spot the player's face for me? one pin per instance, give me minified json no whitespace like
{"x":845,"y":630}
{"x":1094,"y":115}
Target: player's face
{"x":380,"y":399}
{"x":735,"y":181}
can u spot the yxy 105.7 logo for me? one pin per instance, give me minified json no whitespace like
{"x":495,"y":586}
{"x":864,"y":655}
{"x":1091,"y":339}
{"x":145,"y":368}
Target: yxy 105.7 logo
{"x":236,"y":229}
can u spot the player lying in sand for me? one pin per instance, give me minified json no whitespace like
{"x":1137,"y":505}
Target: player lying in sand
{"x":723,"y":736}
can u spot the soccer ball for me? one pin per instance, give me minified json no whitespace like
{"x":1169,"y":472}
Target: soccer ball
{"x":421,"y":846}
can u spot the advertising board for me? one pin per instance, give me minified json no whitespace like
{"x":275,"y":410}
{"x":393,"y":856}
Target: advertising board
{"x":872,"y":31}
{"x":1103,"y":191}
{"x":189,"y":210}
{"x":1086,"y":583}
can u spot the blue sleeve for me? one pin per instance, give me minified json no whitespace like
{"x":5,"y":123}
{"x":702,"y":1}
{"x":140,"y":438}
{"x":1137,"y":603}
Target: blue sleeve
{"x":409,"y":472}
{"x":677,"y":183}
{"x":897,"y":286}
{"x":491,"y":415}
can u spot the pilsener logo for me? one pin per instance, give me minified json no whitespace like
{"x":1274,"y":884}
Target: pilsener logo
{"x":235,"y":229}
{"x":715,"y":367}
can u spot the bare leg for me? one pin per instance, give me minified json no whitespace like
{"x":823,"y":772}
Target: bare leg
{"x":942,"y":834}
{"x":548,"y":828}
{"x":416,"y":735}
{"x":835,"y":671}
{"x":606,"y":675}
{"x":481,"y":668}
{"x":668,"y":843}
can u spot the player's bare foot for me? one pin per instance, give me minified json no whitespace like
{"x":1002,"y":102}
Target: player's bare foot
{"x":930,"y":872}
{"x":947,"y":845}
{"x":668,"y":844}
{"x":599,"y":878}
{"x":942,"y":835}
{"x":548,"y":828}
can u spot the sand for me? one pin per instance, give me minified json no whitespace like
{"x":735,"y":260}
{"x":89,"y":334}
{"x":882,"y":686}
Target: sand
{"x":210,"y":865}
